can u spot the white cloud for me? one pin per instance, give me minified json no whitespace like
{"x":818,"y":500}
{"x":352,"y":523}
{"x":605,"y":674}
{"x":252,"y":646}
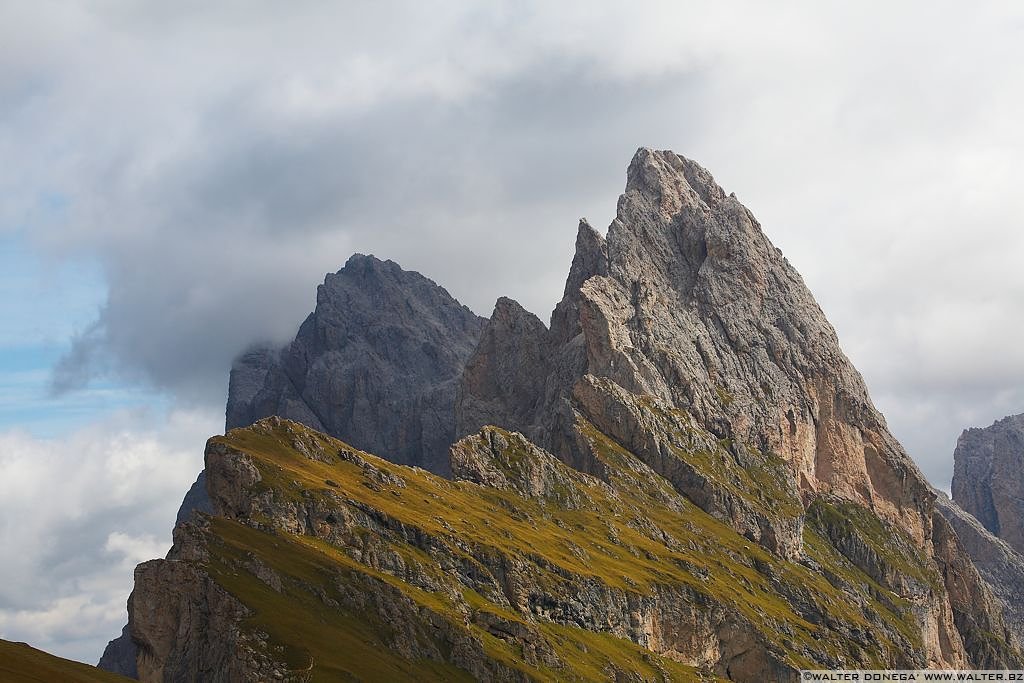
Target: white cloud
{"x":135,"y":549}
{"x":78,"y":513}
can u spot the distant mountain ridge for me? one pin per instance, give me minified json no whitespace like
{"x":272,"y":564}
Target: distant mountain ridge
{"x":986,"y":510}
{"x":691,"y":384}
{"x":375,"y":363}
{"x":988,"y":477}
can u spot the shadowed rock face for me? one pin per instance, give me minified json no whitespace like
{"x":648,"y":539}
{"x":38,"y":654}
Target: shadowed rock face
{"x":119,"y":655}
{"x":1000,"y":566}
{"x":374,"y":364}
{"x":988,"y":478}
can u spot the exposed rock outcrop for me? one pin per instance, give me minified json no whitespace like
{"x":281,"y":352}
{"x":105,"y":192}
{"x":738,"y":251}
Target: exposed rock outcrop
{"x":684,"y":470}
{"x":521,"y":569}
{"x":375,"y":364}
{"x":687,"y":312}
{"x":120,"y":654}
{"x":688,"y":302}
{"x":1000,"y":566}
{"x":988,"y":624}
{"x":196,"y":499}
{"x":988,"y":478}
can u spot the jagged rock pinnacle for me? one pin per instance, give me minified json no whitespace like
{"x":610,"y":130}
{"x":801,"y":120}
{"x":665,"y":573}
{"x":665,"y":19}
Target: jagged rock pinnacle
{"x":987,"y":479}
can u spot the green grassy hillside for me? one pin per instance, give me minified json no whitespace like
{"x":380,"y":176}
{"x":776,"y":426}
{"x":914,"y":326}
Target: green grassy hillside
{"x":355,"y":568}
{"x":20,"y":663}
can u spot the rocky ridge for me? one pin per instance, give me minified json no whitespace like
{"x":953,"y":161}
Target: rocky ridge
{"x":375,"y":363}
{"x":688,"y":302}
{"x":520,"y":569}
{"x":691,"y":382}
{"x":999,"y":565}
{"x":987,"y":481}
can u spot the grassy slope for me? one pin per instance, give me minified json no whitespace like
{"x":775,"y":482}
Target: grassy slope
{"x":343,"y":646}
{"x":609,"y":541}
{"x":19,"y":662}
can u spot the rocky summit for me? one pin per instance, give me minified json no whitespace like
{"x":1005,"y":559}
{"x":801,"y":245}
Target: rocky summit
{"x":376,"y":363}
{"x":681,"y":477}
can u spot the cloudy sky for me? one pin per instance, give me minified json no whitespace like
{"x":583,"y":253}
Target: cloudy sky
{"x":177,"y":178}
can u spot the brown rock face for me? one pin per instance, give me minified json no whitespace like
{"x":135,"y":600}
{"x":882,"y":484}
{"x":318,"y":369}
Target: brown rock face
{"x":984,"y":620}
{"x":988,"y":478}
{"x":689,"y":302}
{"x":686,"y":311}
{"x":1000,"y":566}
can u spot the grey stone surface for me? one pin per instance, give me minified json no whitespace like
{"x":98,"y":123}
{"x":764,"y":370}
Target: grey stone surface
{"x":686,"y":346}
{"x":686,"y":300}
{"x":120,"y":654}
{"x":375,"y":365}
{"x":988,"y":477}
{"x":1001,"y":566}
{"x":195,"y":500}
{"x":687,"y":305}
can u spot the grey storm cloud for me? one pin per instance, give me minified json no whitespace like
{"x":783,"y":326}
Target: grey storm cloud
{"x":218,"y":160}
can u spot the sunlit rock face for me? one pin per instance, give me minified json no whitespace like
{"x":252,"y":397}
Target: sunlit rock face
{"x":687,"y":301}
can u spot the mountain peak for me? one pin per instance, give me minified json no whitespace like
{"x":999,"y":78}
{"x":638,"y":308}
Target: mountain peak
{"x":368,"y":264}
{"x":687,"y":300}
{"x":672,"y":178}
{"x":373,"y":321}
{"x":986,"y":477}
{"x":685,"y":460}
{"x":591,"y":257}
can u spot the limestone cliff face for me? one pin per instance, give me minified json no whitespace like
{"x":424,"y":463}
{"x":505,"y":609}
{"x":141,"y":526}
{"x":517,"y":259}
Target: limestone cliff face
{"x":999,"y":565}
{"x":376,"y":364}
{"x":988,"y":478}
{"x":687,"y":301}
{"x":686,"y":316}
{"x":987,"y":512}
{"x":119,"y":655}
